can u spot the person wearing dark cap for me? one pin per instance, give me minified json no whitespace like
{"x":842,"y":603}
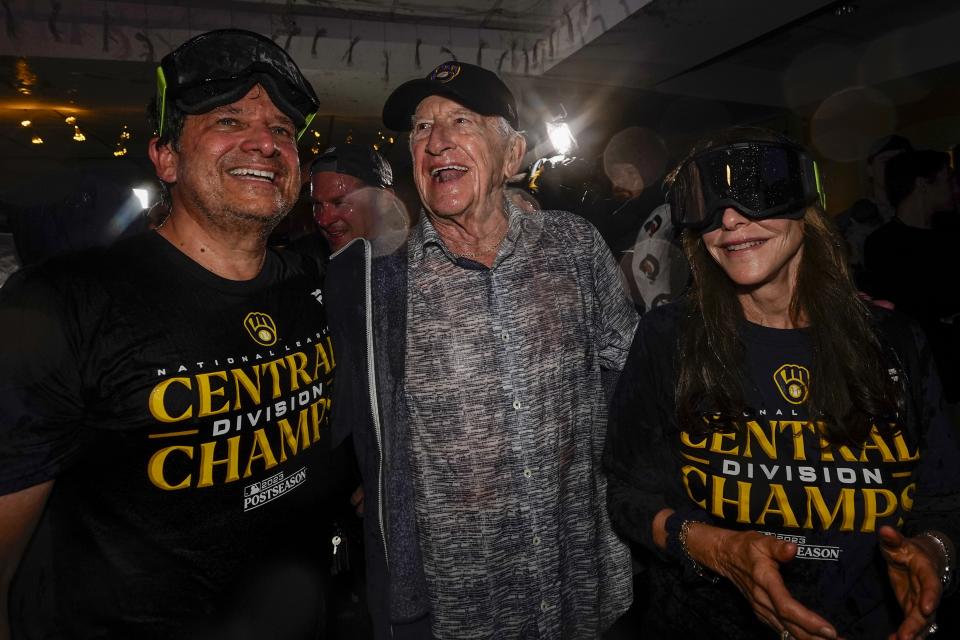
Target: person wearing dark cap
{"x":165,"y":401}
{"x":351,"y":197}
{"x":479,"y":355}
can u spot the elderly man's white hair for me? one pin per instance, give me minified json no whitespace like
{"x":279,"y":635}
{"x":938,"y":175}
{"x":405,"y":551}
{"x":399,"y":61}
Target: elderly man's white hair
{"x":500,"y":125}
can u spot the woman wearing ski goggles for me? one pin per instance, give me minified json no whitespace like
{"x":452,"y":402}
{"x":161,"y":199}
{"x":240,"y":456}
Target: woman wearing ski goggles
{"x":757,"y":422}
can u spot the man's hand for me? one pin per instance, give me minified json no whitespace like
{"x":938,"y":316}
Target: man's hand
{"x":914,"y":566}
{"x":356,"y":499}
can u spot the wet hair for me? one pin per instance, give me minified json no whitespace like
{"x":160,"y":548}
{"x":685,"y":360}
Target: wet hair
{"x":849,"y":389}
{"x":173,"y":118}
{"x":172,"y":128}
{"x":903,"y":170}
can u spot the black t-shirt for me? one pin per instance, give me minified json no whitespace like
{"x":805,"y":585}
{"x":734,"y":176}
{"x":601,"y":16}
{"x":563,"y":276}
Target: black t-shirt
{"x":184,"y":418}
{"x":775,"y":475}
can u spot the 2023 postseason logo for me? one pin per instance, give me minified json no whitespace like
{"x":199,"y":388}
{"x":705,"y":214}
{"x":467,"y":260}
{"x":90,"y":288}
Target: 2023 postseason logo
{"x":269,"y":489}
{"x":808,"y":551}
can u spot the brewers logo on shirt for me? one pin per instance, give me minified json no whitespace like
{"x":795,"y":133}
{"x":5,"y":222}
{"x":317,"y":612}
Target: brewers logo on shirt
{"x":261,"y":328}
{"x":793,"y":381}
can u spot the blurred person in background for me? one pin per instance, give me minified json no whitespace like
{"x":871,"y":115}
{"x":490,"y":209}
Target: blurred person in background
{"x":351,"y":197}
{"x":908,"y":259}
{"x":868,"y":214}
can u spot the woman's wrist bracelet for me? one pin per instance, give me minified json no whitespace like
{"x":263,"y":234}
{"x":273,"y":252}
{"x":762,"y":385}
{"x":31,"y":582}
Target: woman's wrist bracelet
{"x":678,"y":530}
{"x":697,"y":567}
{"x":946,"y":548}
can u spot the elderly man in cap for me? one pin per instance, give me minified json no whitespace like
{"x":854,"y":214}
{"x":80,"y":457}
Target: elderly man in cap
{"x":476,"y":394}
{"x":165,"y":401}
{"x":352,"y":197}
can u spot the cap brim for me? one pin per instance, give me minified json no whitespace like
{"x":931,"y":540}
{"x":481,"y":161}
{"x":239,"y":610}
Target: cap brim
{"x":402,"y":103}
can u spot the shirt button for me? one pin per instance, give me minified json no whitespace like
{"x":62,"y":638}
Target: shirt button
{"x":536,"y":540}
{"x":527,"y":473}
{"x":516,"y":405}
{"x":505,"y":336}
{"x":543,"y":605}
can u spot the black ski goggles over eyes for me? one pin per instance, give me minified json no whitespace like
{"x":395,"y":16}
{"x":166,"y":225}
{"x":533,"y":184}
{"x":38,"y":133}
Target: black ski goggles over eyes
{"x":758,"y":179}
{"x":220,"y":67}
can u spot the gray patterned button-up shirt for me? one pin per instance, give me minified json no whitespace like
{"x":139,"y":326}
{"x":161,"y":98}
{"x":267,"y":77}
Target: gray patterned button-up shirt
{"x":508,"y":417}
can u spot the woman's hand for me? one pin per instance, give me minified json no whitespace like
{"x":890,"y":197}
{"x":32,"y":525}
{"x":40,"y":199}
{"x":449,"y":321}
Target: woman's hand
{"x":752,"y":562}
{"x":914,"y":566}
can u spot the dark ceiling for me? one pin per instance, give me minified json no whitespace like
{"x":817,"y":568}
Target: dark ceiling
{"x":680,"y":67}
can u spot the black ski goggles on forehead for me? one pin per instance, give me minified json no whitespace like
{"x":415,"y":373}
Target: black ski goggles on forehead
{"x":759,"y":179}
{"x":220,"y":67}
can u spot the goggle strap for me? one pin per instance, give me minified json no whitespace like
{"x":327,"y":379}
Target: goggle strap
{"x":306,"y":124}
{"x":161,"y":99}
{"x":821,"y":194}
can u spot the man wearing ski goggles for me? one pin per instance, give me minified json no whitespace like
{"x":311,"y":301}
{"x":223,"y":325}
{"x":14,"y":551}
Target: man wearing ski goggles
{"x":168,"y":497}
{"x":757,"y":178}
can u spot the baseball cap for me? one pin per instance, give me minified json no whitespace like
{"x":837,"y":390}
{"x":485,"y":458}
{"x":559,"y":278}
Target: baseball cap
{"x":360,"y":162}
{"x":220,"y":67}
{"x":474,"y":87}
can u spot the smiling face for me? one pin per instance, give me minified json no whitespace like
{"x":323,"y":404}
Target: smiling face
{"x":757,"y":254}
{"x":236,"y":166}
{"x":461,"y":159}
{"x":342,"y":207}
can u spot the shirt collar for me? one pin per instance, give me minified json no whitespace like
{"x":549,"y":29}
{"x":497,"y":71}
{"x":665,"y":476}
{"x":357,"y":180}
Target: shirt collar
{"x":522,"y":229}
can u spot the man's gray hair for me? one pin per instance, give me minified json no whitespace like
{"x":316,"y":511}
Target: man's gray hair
{"x":505,"y":129}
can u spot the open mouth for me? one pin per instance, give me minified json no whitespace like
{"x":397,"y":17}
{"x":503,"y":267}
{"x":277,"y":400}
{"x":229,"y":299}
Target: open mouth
{"x":256,"y":174}
{"x":448,"y":172}
{"x":745,"y":245}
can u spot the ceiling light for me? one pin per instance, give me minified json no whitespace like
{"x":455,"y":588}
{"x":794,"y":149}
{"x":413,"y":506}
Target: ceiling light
{"x":26,"y":79}
{"x":845,"y":9}
{"x":560,"y":137}
{"x":143,"y":196}
{"x":70,"y":119}
{"x":25,"y":123}
{"x":78,"y":135}
{"x":36,"y":140}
